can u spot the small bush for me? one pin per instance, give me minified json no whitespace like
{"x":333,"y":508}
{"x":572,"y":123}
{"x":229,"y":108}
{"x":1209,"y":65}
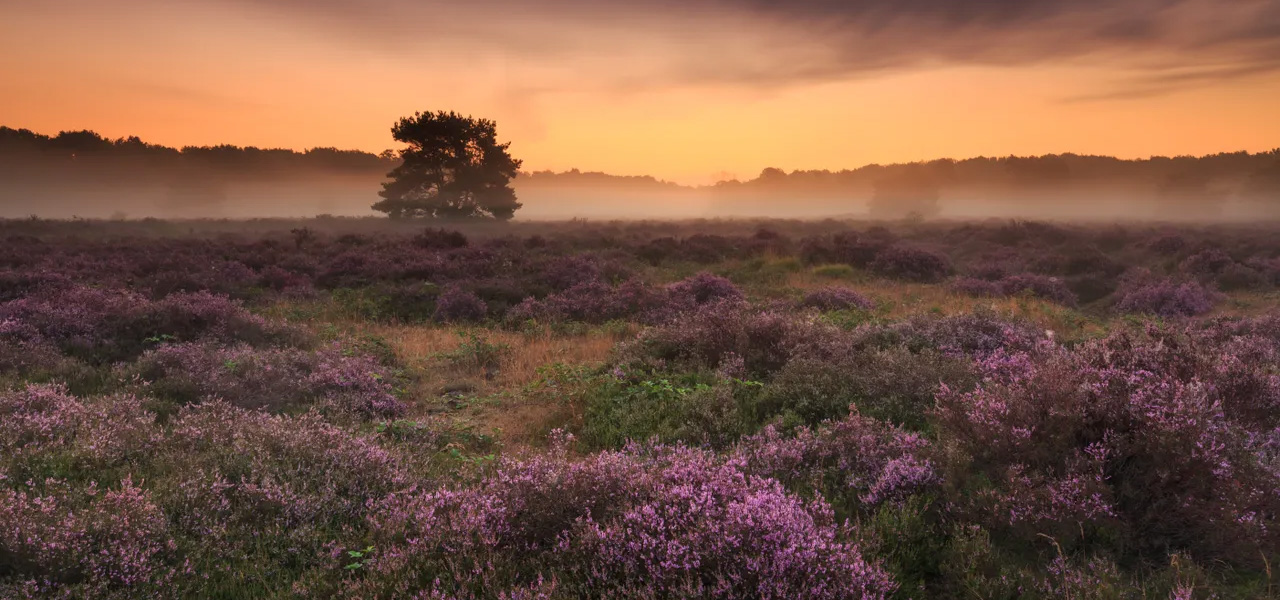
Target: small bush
{"x":458,"y":305}
{"x":911,"y":264}
{"x":1167,"y":298}
{"x":836,"y":298}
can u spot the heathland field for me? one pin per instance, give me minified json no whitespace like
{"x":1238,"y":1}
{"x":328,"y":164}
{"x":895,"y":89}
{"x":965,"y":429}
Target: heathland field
{"x":357,"y":408}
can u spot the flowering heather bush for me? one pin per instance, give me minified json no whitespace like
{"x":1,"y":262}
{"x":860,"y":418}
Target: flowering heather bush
{"x":703,"y":288}
{"x":16,"y":284}
{"x":836,"y":298}
{"x":911,"y":264}
{"x":820,"y":382}
{"x":243,"y":490}
{"x":107,"y":325}
{"x":1167,"y":298}
{"x":45,"y":432}
{"x":702,"y":340}
{"x":1052,"y":289}
{"x":641,"y":523}
{"x":58,"y":541}
{"x":591,"y":302}
{"x":564,"y":272}
{"x":971,"y":334}
{"x":272,"y":379}
{"x":1130,"y":434}
{"x":857,"y":461}
{"x":1207,"y":263}
{"x":456,"y":305}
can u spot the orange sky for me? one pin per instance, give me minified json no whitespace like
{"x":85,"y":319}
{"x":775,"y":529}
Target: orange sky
{"x":683,"y":91}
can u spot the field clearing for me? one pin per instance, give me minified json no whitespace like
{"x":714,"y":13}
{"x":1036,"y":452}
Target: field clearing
{"x":999,"y":409}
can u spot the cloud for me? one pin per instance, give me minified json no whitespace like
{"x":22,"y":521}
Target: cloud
{"x":772,"y":43}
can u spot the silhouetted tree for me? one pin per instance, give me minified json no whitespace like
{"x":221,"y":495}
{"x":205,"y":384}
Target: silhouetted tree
{"x":454,"y":167}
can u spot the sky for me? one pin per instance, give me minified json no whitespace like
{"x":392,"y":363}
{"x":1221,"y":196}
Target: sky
{"x":690,"y":91}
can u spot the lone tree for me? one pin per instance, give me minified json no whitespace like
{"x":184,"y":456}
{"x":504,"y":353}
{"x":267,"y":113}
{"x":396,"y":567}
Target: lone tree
{"x":454,"y":167}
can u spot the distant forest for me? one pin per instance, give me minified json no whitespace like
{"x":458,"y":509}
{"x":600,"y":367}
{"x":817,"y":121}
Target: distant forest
{"x":196,"y":176}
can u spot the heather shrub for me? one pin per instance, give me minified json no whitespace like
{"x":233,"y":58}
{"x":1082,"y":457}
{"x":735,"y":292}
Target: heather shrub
{"x":89,"y":542}
{"x":892,"y":384}
{"x":836,"y":298}
{"x":254,"y":498}
{"x":590,"y":302}
{"x":102,"y":326}
{"x":1052,"y":289}
{"x":1207,"y":263}
{"x":47,"y":433}
{"x":17,"y":284}
{"x":978,"y":334}
{"x":911,"y":264}
{"x":1126,"y":438}
{"x":275,"y":380}
{"x":280,"y":279}
{"x":458,"y":305}
{"x":702,"y":340}
{"x":856,"y":462}
{"x":703,"y":288}
{"x":1240,"y":277}
{"x":1166,"y":298}
{"x":641,"y":523}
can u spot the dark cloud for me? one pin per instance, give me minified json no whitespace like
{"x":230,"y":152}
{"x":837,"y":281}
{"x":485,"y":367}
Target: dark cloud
{"x":774,"y":43}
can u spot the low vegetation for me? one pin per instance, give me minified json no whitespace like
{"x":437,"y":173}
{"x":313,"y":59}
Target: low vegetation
{"x":645,"y":410}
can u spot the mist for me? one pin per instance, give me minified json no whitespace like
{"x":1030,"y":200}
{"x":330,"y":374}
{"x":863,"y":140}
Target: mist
{"x":81,"y":174}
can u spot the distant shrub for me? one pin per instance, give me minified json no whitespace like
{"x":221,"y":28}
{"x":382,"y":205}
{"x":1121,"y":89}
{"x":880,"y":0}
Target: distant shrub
{"x":703,"y":288}
{"x":591,"y":302}
{"x":1049,"y":288}
{"x":1166,"y":298}
{"x":836,"y":298}
{"x":103,"y":325}
{"x":1168,"y":243}
{"x":458,"y":305}
{"x":911,"y":264}
{"x":703,"y":338}
{"x":275,"y":380}
{"x":1207,"y":263}
{"x":976,"y":334}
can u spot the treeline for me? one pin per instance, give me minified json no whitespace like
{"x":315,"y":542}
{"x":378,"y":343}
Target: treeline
{"x":1254,"y":171}
{"x":85,"y":150}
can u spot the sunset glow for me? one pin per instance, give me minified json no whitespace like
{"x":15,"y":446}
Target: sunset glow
{"x":683,"y":91}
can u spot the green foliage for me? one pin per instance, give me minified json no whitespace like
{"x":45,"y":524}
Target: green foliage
{"x":453,"y":167}
{"x":835,"y":271}
{"x":476,"y":351}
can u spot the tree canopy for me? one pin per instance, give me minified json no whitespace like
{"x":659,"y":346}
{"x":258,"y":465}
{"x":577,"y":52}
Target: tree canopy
{"x":453,"y":167}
